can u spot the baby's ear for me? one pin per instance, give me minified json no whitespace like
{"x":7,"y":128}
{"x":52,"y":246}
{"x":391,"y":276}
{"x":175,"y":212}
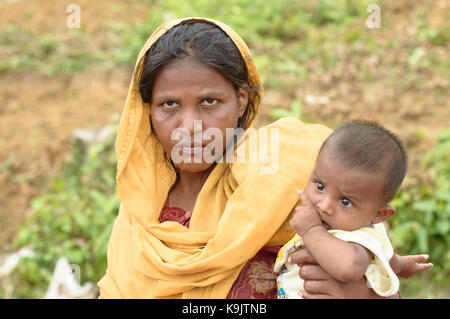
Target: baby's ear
{"x":383,"y":214}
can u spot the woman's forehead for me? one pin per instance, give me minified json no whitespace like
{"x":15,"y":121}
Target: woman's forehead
{"x":185,"y":75}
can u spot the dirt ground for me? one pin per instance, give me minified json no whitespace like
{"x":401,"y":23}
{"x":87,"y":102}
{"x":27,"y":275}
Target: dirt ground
{"x":38,"y":113}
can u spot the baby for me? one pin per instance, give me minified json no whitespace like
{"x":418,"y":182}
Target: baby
{"x":357,"y":173}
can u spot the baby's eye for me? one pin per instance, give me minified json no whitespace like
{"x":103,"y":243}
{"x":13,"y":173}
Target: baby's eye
{"x":209,"y":102}
{"x":346,"y":202}
{"x":320,"y":186}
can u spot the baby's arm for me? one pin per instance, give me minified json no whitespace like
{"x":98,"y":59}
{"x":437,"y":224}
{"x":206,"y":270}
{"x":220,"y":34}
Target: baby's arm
{"x":345,"y":261}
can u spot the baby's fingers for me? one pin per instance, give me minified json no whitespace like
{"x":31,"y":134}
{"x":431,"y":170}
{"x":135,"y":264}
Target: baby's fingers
{"x":305,"y":201}
{"x":413,"y":264}
{"x":422,"y":267}
{"x":420,"y":259}
{"x":417,"y":258}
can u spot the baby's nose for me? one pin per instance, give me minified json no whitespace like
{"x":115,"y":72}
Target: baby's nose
{"x":325,"y":206}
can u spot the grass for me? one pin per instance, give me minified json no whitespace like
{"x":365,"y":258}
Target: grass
{"x":307,"y":36}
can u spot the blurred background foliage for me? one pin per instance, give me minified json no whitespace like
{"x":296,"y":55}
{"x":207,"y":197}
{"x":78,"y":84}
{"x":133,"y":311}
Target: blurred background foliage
{"x":292,"y":41}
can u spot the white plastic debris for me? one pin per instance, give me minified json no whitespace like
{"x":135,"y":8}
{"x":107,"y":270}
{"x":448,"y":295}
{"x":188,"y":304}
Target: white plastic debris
{"x":313,"y":99}
{"x":65,"y":283}
{"x":88,"y":138}
{"x":10,"y":262}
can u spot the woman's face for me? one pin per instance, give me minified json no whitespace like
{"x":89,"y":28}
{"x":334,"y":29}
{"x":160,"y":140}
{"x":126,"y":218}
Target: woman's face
{"x":190,"y":99}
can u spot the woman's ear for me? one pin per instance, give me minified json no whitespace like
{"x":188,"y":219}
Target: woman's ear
{"x":383,"y":214}
{"x":242,"y":96}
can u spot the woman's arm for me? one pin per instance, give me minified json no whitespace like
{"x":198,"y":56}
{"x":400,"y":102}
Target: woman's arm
{"x":318,"y":284}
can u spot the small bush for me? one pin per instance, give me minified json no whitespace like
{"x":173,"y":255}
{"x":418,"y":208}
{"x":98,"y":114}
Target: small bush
{"x":422,"y":224}
{"x":74,"y":220}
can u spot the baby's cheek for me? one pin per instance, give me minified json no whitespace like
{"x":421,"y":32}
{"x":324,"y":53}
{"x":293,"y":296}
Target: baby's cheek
{"x":308,"y":192}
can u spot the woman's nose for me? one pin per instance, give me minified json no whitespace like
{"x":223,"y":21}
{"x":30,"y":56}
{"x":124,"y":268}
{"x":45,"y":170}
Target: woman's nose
{"x":191,"y":123}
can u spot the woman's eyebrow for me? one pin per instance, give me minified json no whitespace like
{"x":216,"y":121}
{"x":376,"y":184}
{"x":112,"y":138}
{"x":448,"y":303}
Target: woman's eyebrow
{"x":212,"y":92}
{"x":204,"y":94}
{"x":164,"y":97}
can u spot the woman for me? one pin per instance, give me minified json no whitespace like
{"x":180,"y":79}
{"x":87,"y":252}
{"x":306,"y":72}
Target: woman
{"x":195,"y":228}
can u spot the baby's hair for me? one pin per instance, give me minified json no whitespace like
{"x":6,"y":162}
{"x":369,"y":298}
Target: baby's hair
{"x":209,"y":45}
{"x":368,"y":146}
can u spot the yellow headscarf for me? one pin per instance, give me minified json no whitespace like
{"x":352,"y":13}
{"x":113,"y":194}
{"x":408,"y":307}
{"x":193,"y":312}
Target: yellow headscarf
{"x":238,"y":210}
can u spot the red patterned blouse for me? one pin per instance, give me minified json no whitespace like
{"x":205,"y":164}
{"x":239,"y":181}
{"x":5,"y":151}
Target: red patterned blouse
{"x":256,"y":280}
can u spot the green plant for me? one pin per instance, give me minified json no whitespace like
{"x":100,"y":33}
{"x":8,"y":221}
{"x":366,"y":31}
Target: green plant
{"x":295,"y":111}
{"x":74,"y":220}
{"x":422,"y":224}
{"x":23,"y":50}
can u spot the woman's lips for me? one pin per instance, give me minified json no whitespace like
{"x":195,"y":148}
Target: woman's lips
{"x":192,"y":150}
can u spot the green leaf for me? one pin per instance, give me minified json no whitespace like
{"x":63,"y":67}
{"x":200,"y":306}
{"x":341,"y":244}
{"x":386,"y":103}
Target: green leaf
{"x":443,"y":136}
{"x":426,"y":206}
{"x":101,"y":242}
{"x":278,"y":113}
{"x":99,"y":198}
{"x":422,"y":238}
{"x":297,"y":109}
{"x":401,"y":232}
{"x":443,"y":194}
{"x":416,"y":55}
{"x":59,"y":185}
{"x":81,"y":219}
{"x":442,"y":227}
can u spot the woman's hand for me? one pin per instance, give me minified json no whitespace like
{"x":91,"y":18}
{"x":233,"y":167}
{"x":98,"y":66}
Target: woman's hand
{"x":318,"y":284}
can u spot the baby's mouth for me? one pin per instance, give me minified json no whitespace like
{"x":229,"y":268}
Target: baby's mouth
{"x":324,"y":223}
{"x":328,"y":227}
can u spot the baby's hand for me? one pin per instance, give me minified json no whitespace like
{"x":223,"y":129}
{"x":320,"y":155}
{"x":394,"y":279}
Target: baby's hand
{"x":407,"y":266}
{"x":305,"y":216}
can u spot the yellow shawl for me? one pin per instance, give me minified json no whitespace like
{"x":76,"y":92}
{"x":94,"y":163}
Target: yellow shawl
{"x":238,"y":210}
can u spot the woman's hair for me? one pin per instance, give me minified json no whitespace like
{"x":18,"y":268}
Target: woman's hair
{"x":209,"y":45}
{"x":371,"y":148}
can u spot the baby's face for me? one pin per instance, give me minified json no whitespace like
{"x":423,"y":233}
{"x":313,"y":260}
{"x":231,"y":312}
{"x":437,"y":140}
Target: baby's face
{"x":345,"y":198}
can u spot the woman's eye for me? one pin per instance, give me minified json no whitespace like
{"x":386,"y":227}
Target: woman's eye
{"x":346,"y":202}
{"x":320,"y":186}
{"x":170,"y":104}
{"x":209,"y":102}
